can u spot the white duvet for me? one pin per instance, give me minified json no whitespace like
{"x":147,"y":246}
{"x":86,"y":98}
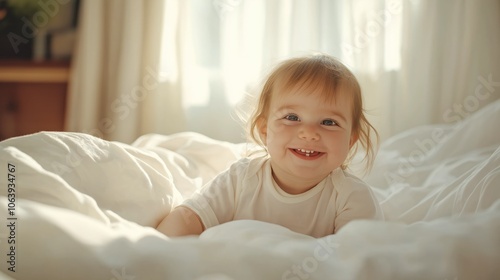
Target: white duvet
{"x":76,"y":207}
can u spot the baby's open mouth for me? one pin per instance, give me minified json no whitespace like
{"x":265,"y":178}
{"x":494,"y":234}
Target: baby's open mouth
{"x":307,"y":153}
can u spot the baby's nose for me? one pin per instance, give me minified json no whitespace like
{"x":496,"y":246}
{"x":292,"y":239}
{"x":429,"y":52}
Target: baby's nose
{"x":309,"y":133}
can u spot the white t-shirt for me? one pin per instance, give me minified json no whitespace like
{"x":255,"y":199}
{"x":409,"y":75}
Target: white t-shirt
{"x":248,"y":191}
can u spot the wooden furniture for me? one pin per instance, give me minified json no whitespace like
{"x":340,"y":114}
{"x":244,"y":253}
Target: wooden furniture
{"x":32,"y":96}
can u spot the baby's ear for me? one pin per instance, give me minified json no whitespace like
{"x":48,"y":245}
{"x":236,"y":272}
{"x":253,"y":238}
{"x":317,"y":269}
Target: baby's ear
{"x":354,"y":139}
{"x":262,"y":128}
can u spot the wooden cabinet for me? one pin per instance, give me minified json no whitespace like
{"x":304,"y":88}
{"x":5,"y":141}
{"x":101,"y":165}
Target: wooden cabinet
{"x":32,"y":96}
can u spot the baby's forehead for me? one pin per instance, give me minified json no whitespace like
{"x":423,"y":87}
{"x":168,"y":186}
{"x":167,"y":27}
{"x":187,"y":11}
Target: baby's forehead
{"x":329,"y":95}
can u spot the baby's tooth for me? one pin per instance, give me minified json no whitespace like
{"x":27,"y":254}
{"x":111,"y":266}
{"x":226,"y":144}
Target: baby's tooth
{"x":306,"y":151}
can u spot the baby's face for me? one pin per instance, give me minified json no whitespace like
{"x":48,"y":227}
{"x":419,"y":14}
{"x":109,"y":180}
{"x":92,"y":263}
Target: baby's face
{"x":307,"y":138}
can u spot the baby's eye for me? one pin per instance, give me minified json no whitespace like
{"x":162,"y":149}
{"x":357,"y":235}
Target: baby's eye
{"x":292,"y":117}
{"x":329,"y":122}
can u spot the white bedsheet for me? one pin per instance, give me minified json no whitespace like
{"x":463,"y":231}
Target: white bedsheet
{"x":84,"y":208}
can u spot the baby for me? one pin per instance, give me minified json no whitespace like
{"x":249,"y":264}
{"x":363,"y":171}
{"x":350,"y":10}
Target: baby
{"x":310,"y":121}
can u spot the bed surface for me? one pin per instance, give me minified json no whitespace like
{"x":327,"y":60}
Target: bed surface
{"x":82,"y":208}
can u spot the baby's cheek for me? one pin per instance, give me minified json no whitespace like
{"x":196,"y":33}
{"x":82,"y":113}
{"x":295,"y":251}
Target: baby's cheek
{"x":276,"y":131}
{"x":270,"y":135}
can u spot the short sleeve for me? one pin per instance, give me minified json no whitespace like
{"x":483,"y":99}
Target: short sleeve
{"x":356,"y":201}
{"x":214,"y":203}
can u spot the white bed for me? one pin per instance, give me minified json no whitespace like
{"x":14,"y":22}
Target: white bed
{"x":84,"y":208}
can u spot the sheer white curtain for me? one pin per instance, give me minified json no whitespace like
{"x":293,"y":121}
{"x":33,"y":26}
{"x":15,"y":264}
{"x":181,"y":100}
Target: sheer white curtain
{"x":446,"y":64}
{"x":119,"y":89}
{"x":418,"y":62}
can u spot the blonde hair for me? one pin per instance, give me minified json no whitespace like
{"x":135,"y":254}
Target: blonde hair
{"x":321,"y":74}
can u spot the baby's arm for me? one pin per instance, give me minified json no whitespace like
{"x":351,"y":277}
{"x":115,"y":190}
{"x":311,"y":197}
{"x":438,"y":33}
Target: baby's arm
{"x":360,"y":204}
{"x":181,"y":221}
{"x":213,"y":204}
